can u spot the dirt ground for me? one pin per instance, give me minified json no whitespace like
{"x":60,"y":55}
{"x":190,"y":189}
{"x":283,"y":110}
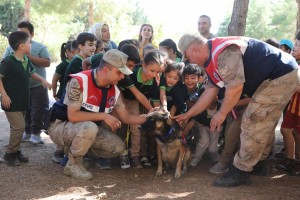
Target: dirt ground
{"x":41,"y":178}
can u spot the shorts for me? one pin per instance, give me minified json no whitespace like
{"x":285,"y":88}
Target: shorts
{"x":290,"y":120}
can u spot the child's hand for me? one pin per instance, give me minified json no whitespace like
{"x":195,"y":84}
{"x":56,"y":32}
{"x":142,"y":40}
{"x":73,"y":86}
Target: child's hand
{"x":46,"y":84}
{"x":6,"y":101}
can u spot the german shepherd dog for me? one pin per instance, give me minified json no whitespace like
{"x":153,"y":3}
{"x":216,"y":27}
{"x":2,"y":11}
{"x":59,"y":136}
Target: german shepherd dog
{"x":171,"y":146}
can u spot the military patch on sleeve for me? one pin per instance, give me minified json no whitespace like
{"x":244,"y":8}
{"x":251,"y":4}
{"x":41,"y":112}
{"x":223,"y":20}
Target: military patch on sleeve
{"x":74,"y":90}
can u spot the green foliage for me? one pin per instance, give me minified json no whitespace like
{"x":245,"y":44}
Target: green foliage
{"x":267,"y":18}
{"x":11,"y":12}
{"x":3,"y":44}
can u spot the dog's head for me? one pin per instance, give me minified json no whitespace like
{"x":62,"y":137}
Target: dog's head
{"x":158,"y":124}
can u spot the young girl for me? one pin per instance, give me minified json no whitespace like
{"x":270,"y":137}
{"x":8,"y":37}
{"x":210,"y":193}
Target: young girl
{"x":143,"y":78}
{"x":169,"y":46}
{"x":145,"y":38}
{"x":67,"y":52}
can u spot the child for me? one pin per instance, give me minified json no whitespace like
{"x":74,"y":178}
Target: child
{"x":15,"y":71}
{"x":143,"y":78}
{"x":67,"y":52}
{"x":208,"y":140}
{"x":86,"y":43}
{"x":170,"y":47}
{"x":286,"y":45}
{"x":291,"y":122}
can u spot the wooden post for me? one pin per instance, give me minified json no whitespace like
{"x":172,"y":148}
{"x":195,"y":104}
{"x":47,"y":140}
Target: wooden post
{"x":27,"y":9}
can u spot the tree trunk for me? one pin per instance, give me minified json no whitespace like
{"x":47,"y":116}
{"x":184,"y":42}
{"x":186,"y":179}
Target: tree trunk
{"x":27,"y":9}
{"x":237,"y":25}
{"x":298,"y":15}
{"x":91,"y":13}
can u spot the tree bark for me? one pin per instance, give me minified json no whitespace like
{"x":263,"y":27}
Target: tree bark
{"x":91,"y":13}
{"x":27,"y":9}
{"x":298,"y":16}
{"x":237,"y":25}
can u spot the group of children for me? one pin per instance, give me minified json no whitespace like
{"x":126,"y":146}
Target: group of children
{"x":159,"y":78}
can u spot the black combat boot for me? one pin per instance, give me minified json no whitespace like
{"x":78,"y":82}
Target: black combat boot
{"x":11,"y":159}
{"x":21,"y":157}
{"x":260,"y":169}
{"x":234,"y":177}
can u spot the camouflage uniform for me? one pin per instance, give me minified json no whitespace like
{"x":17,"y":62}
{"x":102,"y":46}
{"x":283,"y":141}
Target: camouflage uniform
{"x":85,"y":137}
{"x":263,"y":111}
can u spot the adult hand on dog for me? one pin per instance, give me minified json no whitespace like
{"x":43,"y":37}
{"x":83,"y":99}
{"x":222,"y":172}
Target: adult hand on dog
{"x":181,"y":119}
{"x":216,"y":122}
{"x":112,"y":122}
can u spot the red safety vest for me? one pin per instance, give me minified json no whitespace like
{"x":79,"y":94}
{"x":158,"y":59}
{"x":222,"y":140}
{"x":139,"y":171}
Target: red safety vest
{"x":92,"y":96}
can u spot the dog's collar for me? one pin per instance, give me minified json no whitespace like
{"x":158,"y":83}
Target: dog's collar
{"x":172,"y":129}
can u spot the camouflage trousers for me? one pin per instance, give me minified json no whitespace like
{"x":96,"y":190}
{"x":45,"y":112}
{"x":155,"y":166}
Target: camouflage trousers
{"x":86,"y":137}
{"x":260,"y":118}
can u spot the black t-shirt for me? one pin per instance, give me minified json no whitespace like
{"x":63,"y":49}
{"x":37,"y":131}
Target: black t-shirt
{"x":61,"y":70}
{"x":150,"y":88}
{"x":15,"y":78}
{"x":95,"y":60}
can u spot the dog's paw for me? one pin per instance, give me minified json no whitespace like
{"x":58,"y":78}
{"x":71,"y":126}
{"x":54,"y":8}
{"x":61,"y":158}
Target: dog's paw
{"x":177,"y":175}
{"x":159,"y":173}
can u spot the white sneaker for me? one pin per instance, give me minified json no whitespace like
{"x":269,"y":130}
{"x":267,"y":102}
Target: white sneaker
{"x":26,"y":137}
{"x":36,"y":139}
{"x":219,"y":168}
{"x":194,"y":162}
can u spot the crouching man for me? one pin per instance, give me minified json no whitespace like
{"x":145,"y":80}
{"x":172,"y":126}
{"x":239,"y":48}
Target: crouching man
{"x":85,"y":119}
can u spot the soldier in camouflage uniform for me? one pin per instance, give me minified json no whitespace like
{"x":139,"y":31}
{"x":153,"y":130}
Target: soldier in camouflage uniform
{"x":92,"y":100}
{"x":245,"y":67}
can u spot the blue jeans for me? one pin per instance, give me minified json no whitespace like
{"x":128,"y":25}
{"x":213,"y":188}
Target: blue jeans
{"x":35,"y":115}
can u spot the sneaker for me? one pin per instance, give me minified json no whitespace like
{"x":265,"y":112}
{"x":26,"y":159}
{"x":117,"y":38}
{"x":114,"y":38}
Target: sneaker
{"x":296,"y":169}
{"x":145,"y":162}
{"x":194,"y":162}
{"x":36,"y":139}
{"x":11,"y":159}
{"x":64,"y":161}
{"x":136,"y":163}
{"x":58,"y":157}
{"x":124,"y":160}
{"x":21,"y":157}
{"x":219,"y":168}
{"x":234,"y":177}
{"x":77,"y":171}
{"x":286,"y":165}
{"x":26,"y":137}
{"x":103,"y":163}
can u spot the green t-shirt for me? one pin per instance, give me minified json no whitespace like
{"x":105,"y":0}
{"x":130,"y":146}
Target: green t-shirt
{"x":75,"y":66}
{"x":15,"y":76}
{"x":60,"y":71}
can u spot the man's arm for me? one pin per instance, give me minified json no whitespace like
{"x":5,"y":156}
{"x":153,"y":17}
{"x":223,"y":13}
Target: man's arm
{"x":41,"y":62}
{"x":141,"y":98}
{"x":40,"y":79}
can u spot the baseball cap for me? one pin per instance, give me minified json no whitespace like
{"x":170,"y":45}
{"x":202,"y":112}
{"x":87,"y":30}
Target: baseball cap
{"x":117,"y":59}
{"x":288,"y":43}
{"x":186,"y":40}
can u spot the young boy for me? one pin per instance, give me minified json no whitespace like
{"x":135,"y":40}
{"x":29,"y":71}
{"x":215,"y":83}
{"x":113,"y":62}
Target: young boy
{"x":15,"y":71}
{"x":86,"y":43}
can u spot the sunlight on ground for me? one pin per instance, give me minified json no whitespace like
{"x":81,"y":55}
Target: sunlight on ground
{"x":169,"y":195}
{"x":278,"y":176}
{"x":76,"y":193}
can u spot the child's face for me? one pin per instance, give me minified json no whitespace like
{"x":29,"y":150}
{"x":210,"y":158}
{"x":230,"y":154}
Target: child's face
{"x":87,"y":49}
{"x":191,"y":81}
{"x":172,"y":78}
{"x":100,"y":49}
{"x":26,"y":47}
{"x":71,"y":53}
{"x":130,"y":64}
{"x":152,"y":70}
{"x":296,"y":50}
{"x":105,"y":33}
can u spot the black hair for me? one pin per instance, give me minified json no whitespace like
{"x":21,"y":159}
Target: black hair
{"x":74,"y":45}
{"x":190,"y":69}
{"x":129,"y":41}
{"x":149,"y":47}
{"x":85,"y":36}
{"x":170,"y":44}
{"x":174,"y":66}
{"x":286,"y":47}
{"x":26,"y":24}
{"x":273,"y":42}
{"x":98,"y":44}
{"x":16,"y":38}
{"x":207,"y":17}
{"x":63,"y":49}
{"x":154,"y":57}
{"x":132,"y":52}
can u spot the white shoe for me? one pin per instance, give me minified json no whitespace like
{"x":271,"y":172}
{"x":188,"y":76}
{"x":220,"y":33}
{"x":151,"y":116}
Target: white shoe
{"x":36,"y":139}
